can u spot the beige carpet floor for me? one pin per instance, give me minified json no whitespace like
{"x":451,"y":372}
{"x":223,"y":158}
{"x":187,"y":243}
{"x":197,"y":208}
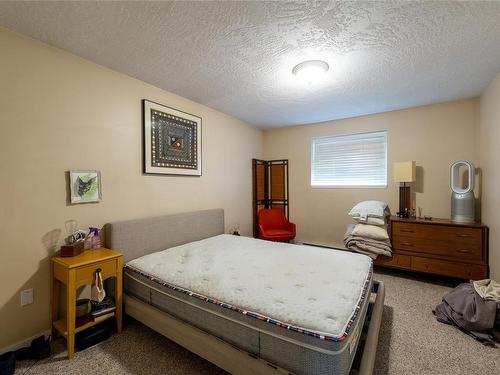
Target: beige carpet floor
{"x":411,"y":342}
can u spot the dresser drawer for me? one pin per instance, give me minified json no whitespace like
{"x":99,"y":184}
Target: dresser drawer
{"x":442,"y":267}
{"x":396,"y":261}
{"x":438,"y":232}
{"x":460,"y":250}
{"x":85,"y":275}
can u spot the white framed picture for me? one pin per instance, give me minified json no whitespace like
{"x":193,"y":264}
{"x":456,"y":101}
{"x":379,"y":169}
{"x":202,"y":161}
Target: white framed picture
{"x":85,"y":186}
{"x":171,"y":141}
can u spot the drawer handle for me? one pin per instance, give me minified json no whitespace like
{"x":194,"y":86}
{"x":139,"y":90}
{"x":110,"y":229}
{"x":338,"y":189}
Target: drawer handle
{"x":464,"y":251}
{"x":407,"y":244}
{"x":463,"y":235}
{"x":407,"y":230}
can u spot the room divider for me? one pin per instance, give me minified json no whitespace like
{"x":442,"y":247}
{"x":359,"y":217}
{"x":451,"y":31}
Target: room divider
{"x":270,"y":187}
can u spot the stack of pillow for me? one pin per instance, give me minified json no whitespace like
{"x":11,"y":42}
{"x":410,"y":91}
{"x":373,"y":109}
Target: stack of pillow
{"x":369,"y":235}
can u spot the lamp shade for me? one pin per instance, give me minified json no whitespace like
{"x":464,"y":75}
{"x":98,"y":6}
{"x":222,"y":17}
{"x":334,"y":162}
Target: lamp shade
{"x":405,"y":171}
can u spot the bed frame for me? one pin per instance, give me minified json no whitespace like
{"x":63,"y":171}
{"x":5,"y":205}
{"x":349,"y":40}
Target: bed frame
{"x":135,"y":238}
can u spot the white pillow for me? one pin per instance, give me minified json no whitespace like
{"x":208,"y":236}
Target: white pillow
{"x":369,"y":208}
{"x":370,"y":220}
{"x":370,"y":231}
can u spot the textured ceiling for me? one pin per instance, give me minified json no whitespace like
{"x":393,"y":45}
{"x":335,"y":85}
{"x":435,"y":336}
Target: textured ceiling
{"x":237,"y":56}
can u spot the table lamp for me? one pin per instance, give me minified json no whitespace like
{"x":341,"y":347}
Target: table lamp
{"x":404,"y":172}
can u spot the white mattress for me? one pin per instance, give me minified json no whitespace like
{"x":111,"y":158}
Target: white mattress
{"x":310,"y":288}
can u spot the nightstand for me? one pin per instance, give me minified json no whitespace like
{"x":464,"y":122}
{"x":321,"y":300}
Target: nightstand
{"x":75,"y":272}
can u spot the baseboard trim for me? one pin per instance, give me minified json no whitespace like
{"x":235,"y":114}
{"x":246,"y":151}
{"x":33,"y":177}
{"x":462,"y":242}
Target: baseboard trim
{"x":322,"y":245}
{"x":24,"y":343}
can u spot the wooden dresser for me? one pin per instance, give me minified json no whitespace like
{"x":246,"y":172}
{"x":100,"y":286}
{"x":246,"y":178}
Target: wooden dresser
{"x":438,"y":246}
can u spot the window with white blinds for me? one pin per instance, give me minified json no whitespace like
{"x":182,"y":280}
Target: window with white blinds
{"x":357,"y":160}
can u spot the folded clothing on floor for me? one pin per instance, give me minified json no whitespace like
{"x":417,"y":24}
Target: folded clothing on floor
{"x":488,"y":289}
{"x":365,"y":245}
{"x":464,"y":308}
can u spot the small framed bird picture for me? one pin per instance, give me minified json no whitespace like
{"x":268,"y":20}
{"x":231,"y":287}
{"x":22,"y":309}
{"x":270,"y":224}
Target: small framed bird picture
{"x":85,"y":186}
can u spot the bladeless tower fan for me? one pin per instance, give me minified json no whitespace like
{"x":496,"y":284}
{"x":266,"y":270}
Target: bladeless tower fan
{"x":462,"y":198}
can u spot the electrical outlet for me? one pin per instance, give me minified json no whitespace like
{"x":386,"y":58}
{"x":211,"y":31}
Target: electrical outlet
{"x":27,"y":297}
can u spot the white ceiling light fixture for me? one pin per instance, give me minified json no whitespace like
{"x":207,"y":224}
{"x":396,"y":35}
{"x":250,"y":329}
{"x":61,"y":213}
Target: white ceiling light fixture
{"x":310,"y":71}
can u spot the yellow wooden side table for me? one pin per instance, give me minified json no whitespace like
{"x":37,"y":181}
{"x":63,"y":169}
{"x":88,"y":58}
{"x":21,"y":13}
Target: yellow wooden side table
{"x":75,"y":272}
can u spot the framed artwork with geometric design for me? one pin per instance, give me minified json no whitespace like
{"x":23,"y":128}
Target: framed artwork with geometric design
{"x":171,"y":141}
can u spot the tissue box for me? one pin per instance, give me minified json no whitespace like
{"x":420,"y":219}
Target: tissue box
{"x":72,"y":250}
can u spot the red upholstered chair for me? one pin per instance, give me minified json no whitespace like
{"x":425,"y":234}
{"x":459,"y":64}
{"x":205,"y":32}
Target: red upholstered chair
{"x":273,"y":225}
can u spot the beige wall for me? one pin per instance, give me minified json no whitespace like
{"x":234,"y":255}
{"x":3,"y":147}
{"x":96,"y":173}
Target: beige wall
{"x":433,"y":136}
{"x":60,"y":112}
{"x":489,"y":137}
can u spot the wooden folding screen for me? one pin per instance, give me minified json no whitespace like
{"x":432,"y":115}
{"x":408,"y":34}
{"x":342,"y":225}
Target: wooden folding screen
{"x":270,"y":187}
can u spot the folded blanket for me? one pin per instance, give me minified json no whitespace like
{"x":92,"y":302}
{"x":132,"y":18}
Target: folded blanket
{"x":371,"y":231}
{"x":370,"y":212}
{"x":366,"y":246}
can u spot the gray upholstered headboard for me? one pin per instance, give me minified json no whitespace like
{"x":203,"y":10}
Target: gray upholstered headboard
{"x":135,"y":238}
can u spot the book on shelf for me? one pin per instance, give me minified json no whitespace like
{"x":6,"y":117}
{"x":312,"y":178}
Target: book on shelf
{"x":102,"y":312}
{"x":104,"y":317}
{"x":80,"y":321}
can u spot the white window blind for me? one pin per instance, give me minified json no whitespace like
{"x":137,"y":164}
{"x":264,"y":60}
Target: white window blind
{"x":349,"y":160}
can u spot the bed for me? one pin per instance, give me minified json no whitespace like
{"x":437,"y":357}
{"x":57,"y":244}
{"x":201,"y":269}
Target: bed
{"x":247,"y":305}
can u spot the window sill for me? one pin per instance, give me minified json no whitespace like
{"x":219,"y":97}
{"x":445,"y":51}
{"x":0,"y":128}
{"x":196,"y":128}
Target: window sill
{"x":349,"y":186}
